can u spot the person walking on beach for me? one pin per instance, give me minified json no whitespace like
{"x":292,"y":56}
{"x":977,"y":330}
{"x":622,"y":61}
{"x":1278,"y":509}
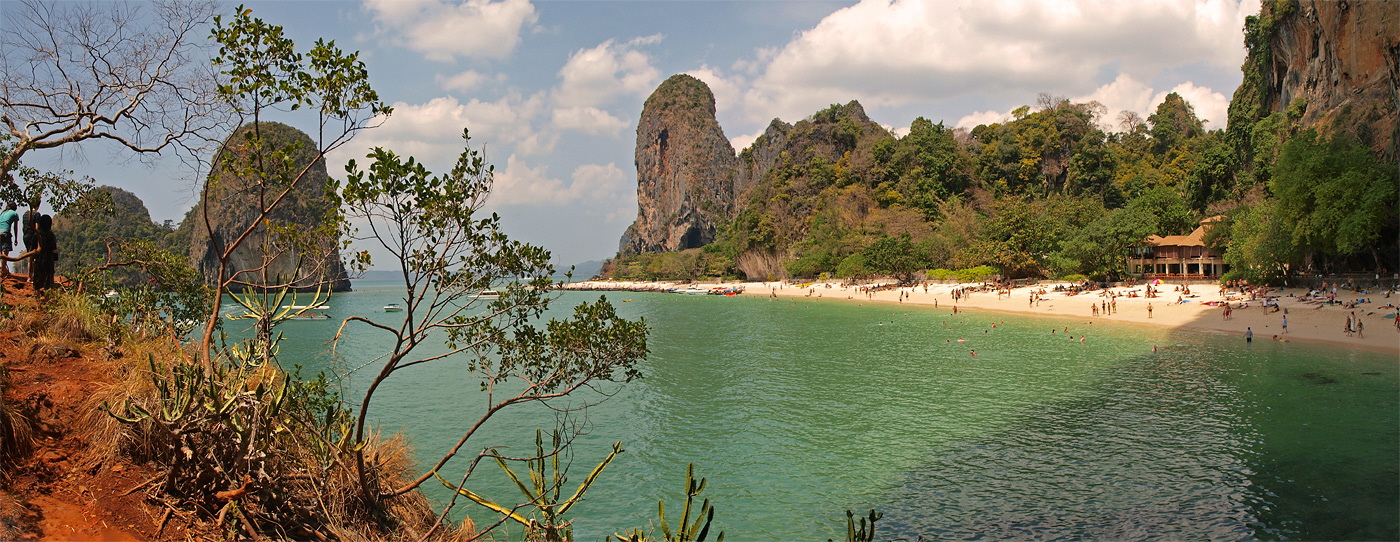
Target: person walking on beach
{"x":8,"y":218}
{"x":1249,"y":334}
{"x":1149,"y":310}
{"x":1359,"y":328}
{"x":1285,"y":323}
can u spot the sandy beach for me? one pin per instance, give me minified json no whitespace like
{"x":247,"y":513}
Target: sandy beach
{"x":1308,"y":320}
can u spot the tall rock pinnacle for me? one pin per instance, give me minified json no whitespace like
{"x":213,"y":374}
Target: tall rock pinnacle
{"x":685,"y":169}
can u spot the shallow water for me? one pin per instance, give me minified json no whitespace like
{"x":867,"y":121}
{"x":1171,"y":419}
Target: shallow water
{"x":796,"y":411}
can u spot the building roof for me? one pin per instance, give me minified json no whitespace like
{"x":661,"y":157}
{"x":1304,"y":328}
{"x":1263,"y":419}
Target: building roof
{"x":1197,"y":237}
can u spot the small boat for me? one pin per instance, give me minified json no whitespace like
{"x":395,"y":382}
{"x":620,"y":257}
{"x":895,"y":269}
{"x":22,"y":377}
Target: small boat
{"x":393,"y":307}
{"x":311,"y":316}
{"x":487,"y":294}
{"x":694,"y":291}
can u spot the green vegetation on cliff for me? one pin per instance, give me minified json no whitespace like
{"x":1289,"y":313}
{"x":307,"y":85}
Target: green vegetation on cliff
{"x":1058,"y":190}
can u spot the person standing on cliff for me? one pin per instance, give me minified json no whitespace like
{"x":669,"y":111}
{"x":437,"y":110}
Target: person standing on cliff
{"x":30,"y":236}
{"x":43,"y":257}
{"x":8,"y":218}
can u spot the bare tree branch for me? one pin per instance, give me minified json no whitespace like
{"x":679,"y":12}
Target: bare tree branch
{"x":136,"y":74}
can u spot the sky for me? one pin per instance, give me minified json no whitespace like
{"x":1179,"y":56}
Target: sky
{"x":553,"y":89}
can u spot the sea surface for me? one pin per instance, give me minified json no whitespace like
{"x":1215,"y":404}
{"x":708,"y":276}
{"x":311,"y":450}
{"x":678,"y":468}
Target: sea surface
{"x":796,"y":411}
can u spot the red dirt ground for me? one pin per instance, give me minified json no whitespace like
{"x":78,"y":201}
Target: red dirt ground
{"x":60,"y":492}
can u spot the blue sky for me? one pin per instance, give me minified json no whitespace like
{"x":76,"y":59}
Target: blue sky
{"x":553,"y":89}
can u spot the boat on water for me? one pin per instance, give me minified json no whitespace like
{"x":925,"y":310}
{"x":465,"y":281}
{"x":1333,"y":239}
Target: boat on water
{"x":393,"y":307}
{"x":487,"y":294}
{"x":693,"y":291}
{"x":311,"y":316}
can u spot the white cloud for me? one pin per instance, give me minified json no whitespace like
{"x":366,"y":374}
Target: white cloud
{"x":898,"y":131}
{"x":444,"y":31}
{"x":977,"y":118}
{"x":1123,"y":94}
{"x":727,"y":91}
{"x":754,"y":66}
{"x":896,"y":52}
{"x":1211,"y":106}
{"x":432,"y":131}
{"x":589,"y":120}
{"x":599,"y":76}
{"x":537,"y":144}
{"x":521,"y":184}
{"x":1128,"y":94}
{"x":741,"y":142}
{"x":594,"y":181}
{"x":467,"y":80}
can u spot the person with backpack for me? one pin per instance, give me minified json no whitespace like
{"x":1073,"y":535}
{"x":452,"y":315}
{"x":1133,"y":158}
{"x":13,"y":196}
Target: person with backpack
{"x":43,"y":257}
{"x":29,"y":235}
{"x":7,"y":235}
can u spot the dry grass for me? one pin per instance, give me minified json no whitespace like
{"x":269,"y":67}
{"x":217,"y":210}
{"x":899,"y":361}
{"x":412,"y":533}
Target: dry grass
{"x":16,"y":430}
{"x":326,"y":491}
{"x":74,"y":317}
{"x":28,"y":321}
{"x":410,"y":516}
{"x":17,"y":521}
{"x":131,"y":380}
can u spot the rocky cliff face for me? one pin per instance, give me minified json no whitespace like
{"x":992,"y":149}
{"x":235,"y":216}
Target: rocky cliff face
{"x":1342,"y":59}
{"x":294,"y":243}
{"x":685,"y":170}
{"x":688,"y":178}
{"x":758,"y":159}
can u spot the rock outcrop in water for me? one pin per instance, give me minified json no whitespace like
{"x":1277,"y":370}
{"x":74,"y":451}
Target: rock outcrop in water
{"x":685,"y":170}
{"x":232,"y":202}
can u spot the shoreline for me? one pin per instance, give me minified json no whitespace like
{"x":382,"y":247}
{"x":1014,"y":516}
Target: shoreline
{"x":1307,"y":322}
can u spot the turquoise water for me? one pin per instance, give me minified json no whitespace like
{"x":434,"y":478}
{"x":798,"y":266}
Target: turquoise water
{"x":798,"y":411}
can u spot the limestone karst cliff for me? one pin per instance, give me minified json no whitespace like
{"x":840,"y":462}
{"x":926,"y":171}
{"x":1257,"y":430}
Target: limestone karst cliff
{"x":295,"y":247}
{"x":1336,"y":63}
{"x":689,"y":180}
{"x":1310,"y":142}
{"x":685,"y":169}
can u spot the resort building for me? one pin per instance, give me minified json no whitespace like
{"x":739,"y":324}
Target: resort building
{"x":1178,"y":256}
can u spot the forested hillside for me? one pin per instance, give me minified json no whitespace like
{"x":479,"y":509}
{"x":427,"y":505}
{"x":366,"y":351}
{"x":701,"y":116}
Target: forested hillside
{"x":1059,"y":189}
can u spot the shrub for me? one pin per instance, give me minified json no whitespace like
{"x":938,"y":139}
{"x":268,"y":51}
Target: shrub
{"x":977,"y":274}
